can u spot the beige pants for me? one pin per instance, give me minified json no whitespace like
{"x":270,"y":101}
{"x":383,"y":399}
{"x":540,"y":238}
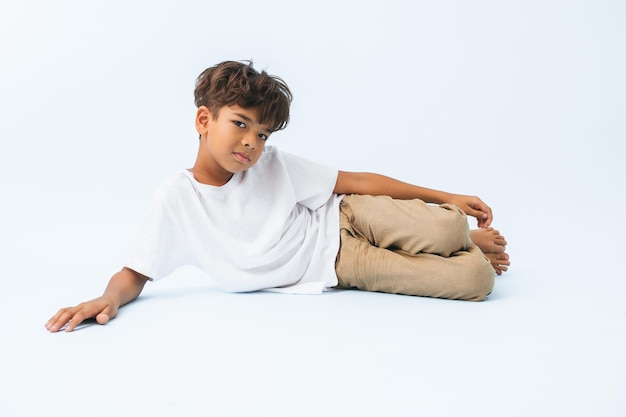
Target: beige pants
{"x":410,"y":247}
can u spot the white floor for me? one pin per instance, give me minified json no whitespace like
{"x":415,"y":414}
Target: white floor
{"x":549,"y":341}
{"x":521,"y":104}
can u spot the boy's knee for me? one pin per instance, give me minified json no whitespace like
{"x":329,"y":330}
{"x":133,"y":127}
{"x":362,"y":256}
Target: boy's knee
{"x":453,"y":217}
{"x":481,"y":279}
{"x":452,"y":227}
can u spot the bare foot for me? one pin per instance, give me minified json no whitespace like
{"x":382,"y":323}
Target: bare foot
{"x":488,"y":240}
{"x":493,"y":245}
{"x":499,"y":261}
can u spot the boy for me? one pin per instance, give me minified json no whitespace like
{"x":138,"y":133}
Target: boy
{"x":255,"y":218}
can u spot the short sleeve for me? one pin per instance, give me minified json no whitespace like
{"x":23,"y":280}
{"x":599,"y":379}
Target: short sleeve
{"x":160,"y":247}
{"x":313,"y":183}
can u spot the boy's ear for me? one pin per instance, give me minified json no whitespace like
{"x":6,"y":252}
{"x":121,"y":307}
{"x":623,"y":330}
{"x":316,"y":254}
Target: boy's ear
{"x":203,"y":118}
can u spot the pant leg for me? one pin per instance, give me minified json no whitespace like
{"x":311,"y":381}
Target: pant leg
{"x":409,"y":225}
{"x":464,"y":274}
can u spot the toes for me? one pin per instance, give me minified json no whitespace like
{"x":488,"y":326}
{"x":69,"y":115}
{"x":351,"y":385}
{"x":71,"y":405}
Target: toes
{"x":494,"y":247}
{"x":499,"y":261}
{"x":498,"y":248}
{"x":503,"y":261}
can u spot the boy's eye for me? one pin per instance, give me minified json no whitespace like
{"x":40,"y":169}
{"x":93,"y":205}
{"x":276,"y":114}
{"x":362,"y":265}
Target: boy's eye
{"x":242,"y":125}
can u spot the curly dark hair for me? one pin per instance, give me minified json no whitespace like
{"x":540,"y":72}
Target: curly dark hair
{"x":237,"y":83}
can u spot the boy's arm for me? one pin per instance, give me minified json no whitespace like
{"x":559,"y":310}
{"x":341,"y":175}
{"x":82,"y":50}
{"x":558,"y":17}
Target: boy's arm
{"x":375,"y":184}
{"x":123,"y":287}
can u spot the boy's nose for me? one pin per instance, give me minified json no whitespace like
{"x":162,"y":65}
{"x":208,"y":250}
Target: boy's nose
{"x":249,"y":141}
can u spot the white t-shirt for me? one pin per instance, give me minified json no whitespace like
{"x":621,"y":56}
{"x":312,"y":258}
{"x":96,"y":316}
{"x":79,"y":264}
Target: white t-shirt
{"x":273,"y":227}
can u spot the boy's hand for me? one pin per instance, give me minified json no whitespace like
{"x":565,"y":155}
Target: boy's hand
{"x":124,"y":286}
{"x":102,"y":309}
{"x":475,"y":207}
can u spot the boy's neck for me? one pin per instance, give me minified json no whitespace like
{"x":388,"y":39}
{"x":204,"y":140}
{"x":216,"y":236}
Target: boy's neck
{"x":205,"y":178}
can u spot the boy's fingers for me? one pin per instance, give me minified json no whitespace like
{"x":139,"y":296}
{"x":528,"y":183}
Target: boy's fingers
{"x":101,"y":312}
{"x":483,"y":218}
{"x":105,"y":315}
{"x":483,"y":208}
{"x":59,"y":320}
{"x":52,"y":320}
{"x":78,"y":317}
{"x":103,"y":318}
{"x":73,"y":316}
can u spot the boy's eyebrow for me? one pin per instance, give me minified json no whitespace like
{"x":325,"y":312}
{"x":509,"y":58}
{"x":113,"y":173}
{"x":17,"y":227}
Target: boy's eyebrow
{"x":249,"y":120}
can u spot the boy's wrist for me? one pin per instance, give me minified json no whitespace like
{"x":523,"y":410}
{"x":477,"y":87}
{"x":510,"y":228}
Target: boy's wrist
{"x":441,"y":197}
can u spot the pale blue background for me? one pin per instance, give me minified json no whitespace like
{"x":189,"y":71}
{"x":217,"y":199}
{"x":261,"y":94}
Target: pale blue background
{"x":519,"y":102}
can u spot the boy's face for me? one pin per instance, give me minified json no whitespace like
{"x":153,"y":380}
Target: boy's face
{"x":230,"y":143}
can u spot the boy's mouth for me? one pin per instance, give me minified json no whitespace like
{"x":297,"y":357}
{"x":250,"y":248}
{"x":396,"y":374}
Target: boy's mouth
{"x":242,"y":157}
